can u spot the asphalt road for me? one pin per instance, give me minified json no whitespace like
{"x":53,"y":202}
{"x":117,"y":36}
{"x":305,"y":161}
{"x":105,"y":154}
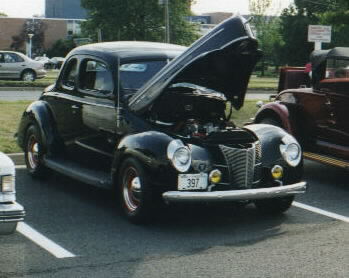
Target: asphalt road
{"x":23,"y":94}
{"x":184,"y":241}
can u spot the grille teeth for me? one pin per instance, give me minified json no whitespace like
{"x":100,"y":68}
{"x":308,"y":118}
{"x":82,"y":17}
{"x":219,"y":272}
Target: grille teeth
{"x":241,"y":164}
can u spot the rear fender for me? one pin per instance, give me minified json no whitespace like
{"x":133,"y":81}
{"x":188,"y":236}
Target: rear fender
{"x":39,"y":113}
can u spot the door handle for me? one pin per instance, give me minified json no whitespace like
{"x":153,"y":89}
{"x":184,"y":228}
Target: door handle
{"x":75,"y":107}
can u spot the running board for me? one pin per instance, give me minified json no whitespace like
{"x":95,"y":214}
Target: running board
{"x":327,"y":160}
{"x":74,"y":170}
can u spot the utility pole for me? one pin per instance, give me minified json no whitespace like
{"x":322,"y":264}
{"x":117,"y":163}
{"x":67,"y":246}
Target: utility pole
{"x":165,"y":3}
{"x":167,"y":18}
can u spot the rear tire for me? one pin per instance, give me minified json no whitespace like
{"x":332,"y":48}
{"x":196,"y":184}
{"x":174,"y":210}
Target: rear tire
{"x":136,"y":194}
{"x":34,"y":152}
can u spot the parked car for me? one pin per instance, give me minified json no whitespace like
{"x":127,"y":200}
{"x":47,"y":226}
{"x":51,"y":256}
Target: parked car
{"x":10,"y":211}
{"x":317,"y":116}
{"x":57,"y":62}
{"x":122,"y":116}
{"x":15,"y":65}
{"x":45,"y":61}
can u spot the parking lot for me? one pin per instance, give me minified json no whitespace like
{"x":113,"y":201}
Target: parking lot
{"x":72,"y":230}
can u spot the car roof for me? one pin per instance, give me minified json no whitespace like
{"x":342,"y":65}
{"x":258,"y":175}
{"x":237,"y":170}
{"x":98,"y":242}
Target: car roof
{"x":128,"y":50}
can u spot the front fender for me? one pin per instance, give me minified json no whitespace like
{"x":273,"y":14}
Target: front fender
{"x":278,"y":111}
{"x":270,"y":138}
{"x":38,"y":113}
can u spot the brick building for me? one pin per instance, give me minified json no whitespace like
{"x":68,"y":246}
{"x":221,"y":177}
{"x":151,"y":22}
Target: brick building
{"x":55,"y":29}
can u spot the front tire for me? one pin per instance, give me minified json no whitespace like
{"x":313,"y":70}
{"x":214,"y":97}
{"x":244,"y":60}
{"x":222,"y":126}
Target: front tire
{"x":271,"y":121}
{"x":34,"y":152}
{"x":275,"y":205}
{"x":28,"y":76}
{"x":8,"y":228}
{"x":136,"y":193}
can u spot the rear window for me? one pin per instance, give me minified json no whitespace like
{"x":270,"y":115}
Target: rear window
{"x":337,"y":68}
{"x":135,"y":75}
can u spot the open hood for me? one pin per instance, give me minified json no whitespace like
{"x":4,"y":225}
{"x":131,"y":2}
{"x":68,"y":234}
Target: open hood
{"x":222,"y":60}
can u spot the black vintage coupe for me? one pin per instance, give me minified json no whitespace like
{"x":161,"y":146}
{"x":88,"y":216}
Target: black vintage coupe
{"x":150,"y":121}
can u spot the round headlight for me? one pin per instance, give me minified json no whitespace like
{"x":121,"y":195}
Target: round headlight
{"x":179,"y":155}
{"x":291,"y":151}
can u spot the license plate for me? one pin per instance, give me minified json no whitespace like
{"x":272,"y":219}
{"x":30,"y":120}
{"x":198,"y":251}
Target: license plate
{"x":192,"y":181}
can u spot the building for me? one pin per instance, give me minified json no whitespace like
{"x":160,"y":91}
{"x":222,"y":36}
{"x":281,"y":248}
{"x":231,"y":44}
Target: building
{"x":53,"y":30}
{"x":67,"y":9}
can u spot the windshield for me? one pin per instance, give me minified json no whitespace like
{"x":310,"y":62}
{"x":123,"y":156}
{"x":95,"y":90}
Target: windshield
{"x":135,"y":75}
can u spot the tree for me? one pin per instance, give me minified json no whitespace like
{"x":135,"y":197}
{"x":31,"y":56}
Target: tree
{"x":61,"y":48}
{"x":294,"y":27}
{"x":338,"y":18}
{"x":267,"y":29}
{"x":2,"y":14}
{"x":138,"y":20}
{"x":31,"y":26}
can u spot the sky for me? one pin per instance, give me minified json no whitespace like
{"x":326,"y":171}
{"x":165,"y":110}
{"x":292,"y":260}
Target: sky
{"x":27,"y":8}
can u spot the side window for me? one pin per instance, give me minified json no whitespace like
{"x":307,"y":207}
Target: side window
{"x":337,"y":68}
{"x":95,"y":76}
{"x":2,"y":58}
{"x":11,"y":58}
{"x":70,"y":73}
{"x":135,"y":75}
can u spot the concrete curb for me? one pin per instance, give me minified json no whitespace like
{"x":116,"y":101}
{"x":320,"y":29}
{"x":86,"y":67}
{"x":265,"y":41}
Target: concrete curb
{"x":21,"y":89}
{"x":17,"y":158}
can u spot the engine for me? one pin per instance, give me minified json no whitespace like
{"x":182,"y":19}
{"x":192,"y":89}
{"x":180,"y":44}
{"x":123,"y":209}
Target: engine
{"x":190,"y":110}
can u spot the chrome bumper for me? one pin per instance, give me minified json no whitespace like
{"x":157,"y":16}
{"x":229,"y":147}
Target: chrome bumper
{"x":236,"y":195}
{"x":13,"y":212}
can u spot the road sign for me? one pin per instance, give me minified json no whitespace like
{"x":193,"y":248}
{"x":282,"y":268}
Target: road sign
{"x":319,"y":33}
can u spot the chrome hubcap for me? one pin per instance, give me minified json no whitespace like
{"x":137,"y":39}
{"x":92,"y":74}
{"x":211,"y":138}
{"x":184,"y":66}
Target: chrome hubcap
{"x":131,"y":189}
{"x":28,"y":76}
{"x":33,"y":152}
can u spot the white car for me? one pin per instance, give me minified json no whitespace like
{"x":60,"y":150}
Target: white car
{"x":15,"y":65}
{"x":10,"y":211}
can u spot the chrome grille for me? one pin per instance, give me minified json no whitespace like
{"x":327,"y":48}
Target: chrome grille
{"x":241,"y":164}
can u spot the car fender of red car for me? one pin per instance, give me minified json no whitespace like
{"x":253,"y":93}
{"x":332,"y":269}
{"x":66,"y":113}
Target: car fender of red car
{"x":277,"y":111}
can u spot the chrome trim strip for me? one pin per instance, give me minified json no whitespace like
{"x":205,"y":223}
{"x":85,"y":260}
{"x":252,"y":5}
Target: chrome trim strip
{"x":232,"y":195}
{"x":11,"y":212}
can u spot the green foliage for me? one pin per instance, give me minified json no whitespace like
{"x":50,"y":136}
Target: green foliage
{"x":267,"y":29}
{"x":31,"y":26}
{"x":137,"y":20}
{"x":294,"y":27}
{"x":61,"y":48}
{"x":3,"y":14}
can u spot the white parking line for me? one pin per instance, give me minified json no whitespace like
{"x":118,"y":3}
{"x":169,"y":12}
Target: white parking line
{"x":20,"y":167}
{"x":321,"y":211}
{"x":43,"y":242}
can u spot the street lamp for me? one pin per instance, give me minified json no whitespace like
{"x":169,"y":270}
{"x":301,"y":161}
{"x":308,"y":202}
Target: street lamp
{"x":30,"y":35}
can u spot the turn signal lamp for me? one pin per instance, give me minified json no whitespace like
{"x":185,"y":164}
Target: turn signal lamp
{"x":277,"y":172}
{"x":8,"y":184}
{"x":215,"y":176}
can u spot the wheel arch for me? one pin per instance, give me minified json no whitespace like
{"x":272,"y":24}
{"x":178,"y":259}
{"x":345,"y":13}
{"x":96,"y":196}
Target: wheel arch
{"x":279,"y":112}
{"x":39,"y":113}
{"x":149,"y":148}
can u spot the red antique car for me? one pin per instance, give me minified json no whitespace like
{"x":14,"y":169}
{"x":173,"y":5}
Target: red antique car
{"x":316,"y":115}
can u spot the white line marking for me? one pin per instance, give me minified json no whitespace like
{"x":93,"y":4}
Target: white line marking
{"x":20,"y":167}
{"x":43,"y":242}
{"x":321,"y":211}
